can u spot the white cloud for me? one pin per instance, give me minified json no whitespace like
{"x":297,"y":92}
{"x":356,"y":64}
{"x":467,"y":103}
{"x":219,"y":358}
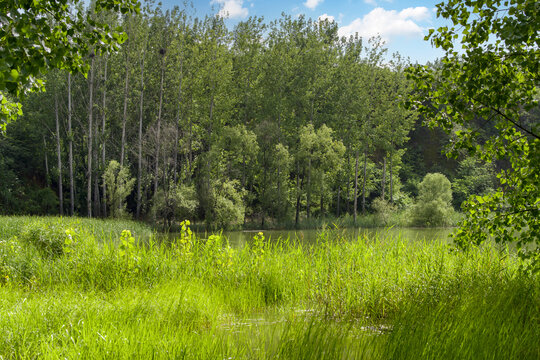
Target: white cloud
{"x":374,"y":2}
{"x":323,"y":17}
{"x":312,"y":4}
{"x":231,"y":8}
{"x":419,"y":13}
{"x":388,"y":23}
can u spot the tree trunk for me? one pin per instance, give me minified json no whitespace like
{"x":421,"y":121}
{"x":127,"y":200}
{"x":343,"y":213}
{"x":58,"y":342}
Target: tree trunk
{"x":97,"y":203}
{"x":356,"y":187}
{"x":347,"y":208}
{"x":90,"y":141}
{"x":364,"y":184}
{"x":46,"y":162}
{"x":190,"y":149}
{"x":70,"y":134}
{"x":338,"y":199}
{"x":391,"y":181}
{"x":59,"y":154}
{"x":383,"y":184}
{"x":308,"y":200}
{"x":97,"y":206}
{"x":139,"y":158}
{"x":124,"y":117}
{"x":158,"y":135}
{"x":297,"y":217}
{"x":104,"y":142}
{"x":322,"y":194}
{"x":175,"y":161}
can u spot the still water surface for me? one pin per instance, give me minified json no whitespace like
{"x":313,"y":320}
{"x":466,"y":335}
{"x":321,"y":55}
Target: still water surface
{"x":239,"y":238}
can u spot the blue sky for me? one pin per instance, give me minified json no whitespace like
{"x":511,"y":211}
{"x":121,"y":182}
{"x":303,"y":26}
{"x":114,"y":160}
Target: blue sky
{"x":401,"y":23}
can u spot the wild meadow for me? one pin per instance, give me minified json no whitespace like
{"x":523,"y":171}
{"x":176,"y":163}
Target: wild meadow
{"x":79,"y":288}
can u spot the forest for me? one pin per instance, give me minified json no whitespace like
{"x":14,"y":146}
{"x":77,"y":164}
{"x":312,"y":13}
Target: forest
{"x":268,"y":123}
{"x":125,"y":131}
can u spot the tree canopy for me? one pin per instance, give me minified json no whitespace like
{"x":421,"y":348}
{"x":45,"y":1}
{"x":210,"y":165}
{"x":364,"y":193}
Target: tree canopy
{"x":37,"y":36}
{"x":486,"y":82}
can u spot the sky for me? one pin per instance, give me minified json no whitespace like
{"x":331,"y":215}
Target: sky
{"x":402,"y":24}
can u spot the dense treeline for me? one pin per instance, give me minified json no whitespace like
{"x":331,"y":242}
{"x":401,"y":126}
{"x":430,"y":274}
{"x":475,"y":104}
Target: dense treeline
{"x":268,"y":121}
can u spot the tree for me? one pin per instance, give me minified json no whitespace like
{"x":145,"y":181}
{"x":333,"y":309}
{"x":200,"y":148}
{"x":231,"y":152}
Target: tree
{"x":434,"y":196}
{"x":119,"y":186}
{"x":38,"y":36}
{"x":491,"y":80}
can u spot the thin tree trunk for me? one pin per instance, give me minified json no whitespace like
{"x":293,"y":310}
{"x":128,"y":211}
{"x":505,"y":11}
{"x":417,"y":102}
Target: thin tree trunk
{"x":264,"y":188}
{"x":383,"y":185}
{"x":70,"y":135}
{"x":97,"y":205}
{"x":391,"y":181}
{"x":158,"y":135}
{"x":46,"y":162}
{"x":308,"y":201}
{"x":59,"y":154}
{"x":279,"y":165}
{"x":338,"y":199}
{"x":175,"y":162}
{"x":322,"y":194}
{"x":90,"y":141}
{"x":364,"y":184}
{"x":356,"y":187}
{"x":104,"y":142}
{"x":139,"y":159}
{"x":347,"y":209}
{"x":297,"y":194}
{"x":124,"y":117}
{"x":190,"y":149}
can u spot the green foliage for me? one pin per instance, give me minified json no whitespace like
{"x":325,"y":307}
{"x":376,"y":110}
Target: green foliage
{"x":433,"y":206}
{"x":180,"y":202}
{"x":383,"y":209}
{"x":119,"y":186}
{"x":493,"y":77}
{"x":48,"y":239}
{"x":473,"y":178}
{"x":43,"y":35}
{"x":229,"y":205}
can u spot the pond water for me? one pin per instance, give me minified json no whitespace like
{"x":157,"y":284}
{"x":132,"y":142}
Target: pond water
{"x":240,"y":238}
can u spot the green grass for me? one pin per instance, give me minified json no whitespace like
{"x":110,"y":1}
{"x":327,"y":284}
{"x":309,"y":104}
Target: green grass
{"x":101,"y":295}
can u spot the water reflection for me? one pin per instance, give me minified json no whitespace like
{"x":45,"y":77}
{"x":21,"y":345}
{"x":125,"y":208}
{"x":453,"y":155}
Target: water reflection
{"x":240,"y":238}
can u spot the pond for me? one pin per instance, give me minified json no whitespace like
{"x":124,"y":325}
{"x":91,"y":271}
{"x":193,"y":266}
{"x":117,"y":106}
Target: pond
{"x":240,"y":238}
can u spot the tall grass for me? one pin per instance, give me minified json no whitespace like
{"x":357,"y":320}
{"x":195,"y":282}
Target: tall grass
{"x":97,"y":292}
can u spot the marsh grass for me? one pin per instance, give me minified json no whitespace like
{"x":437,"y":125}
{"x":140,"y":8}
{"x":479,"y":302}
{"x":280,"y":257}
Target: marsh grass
{"x":107,"y":293}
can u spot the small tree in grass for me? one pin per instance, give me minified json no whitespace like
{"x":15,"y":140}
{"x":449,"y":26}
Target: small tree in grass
{"x":119,"y":185}
{"x":433,"y":207}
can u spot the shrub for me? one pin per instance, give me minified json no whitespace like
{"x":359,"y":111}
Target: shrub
{"x":119,"y":186}
{"x":433,"y":207}
{"x":179,"y":203}
{"x":229,"y":206}
{"x":48,"y":239}
{"x":383,"y":209}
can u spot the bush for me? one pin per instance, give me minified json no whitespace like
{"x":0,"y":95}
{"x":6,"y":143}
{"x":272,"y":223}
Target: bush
{"x":119,"y":186}
{"x":433,"y":207}
{"x":47,"y":239}
{"x":229,"y":206}
{"x":383,"y":209}
{"x":178,"y":204}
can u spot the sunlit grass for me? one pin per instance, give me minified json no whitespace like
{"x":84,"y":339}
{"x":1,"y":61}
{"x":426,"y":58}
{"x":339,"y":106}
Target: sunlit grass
{"x":94,"y":292}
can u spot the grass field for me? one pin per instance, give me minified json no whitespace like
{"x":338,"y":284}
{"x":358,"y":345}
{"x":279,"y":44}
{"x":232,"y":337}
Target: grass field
{"x":78,"y":288}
